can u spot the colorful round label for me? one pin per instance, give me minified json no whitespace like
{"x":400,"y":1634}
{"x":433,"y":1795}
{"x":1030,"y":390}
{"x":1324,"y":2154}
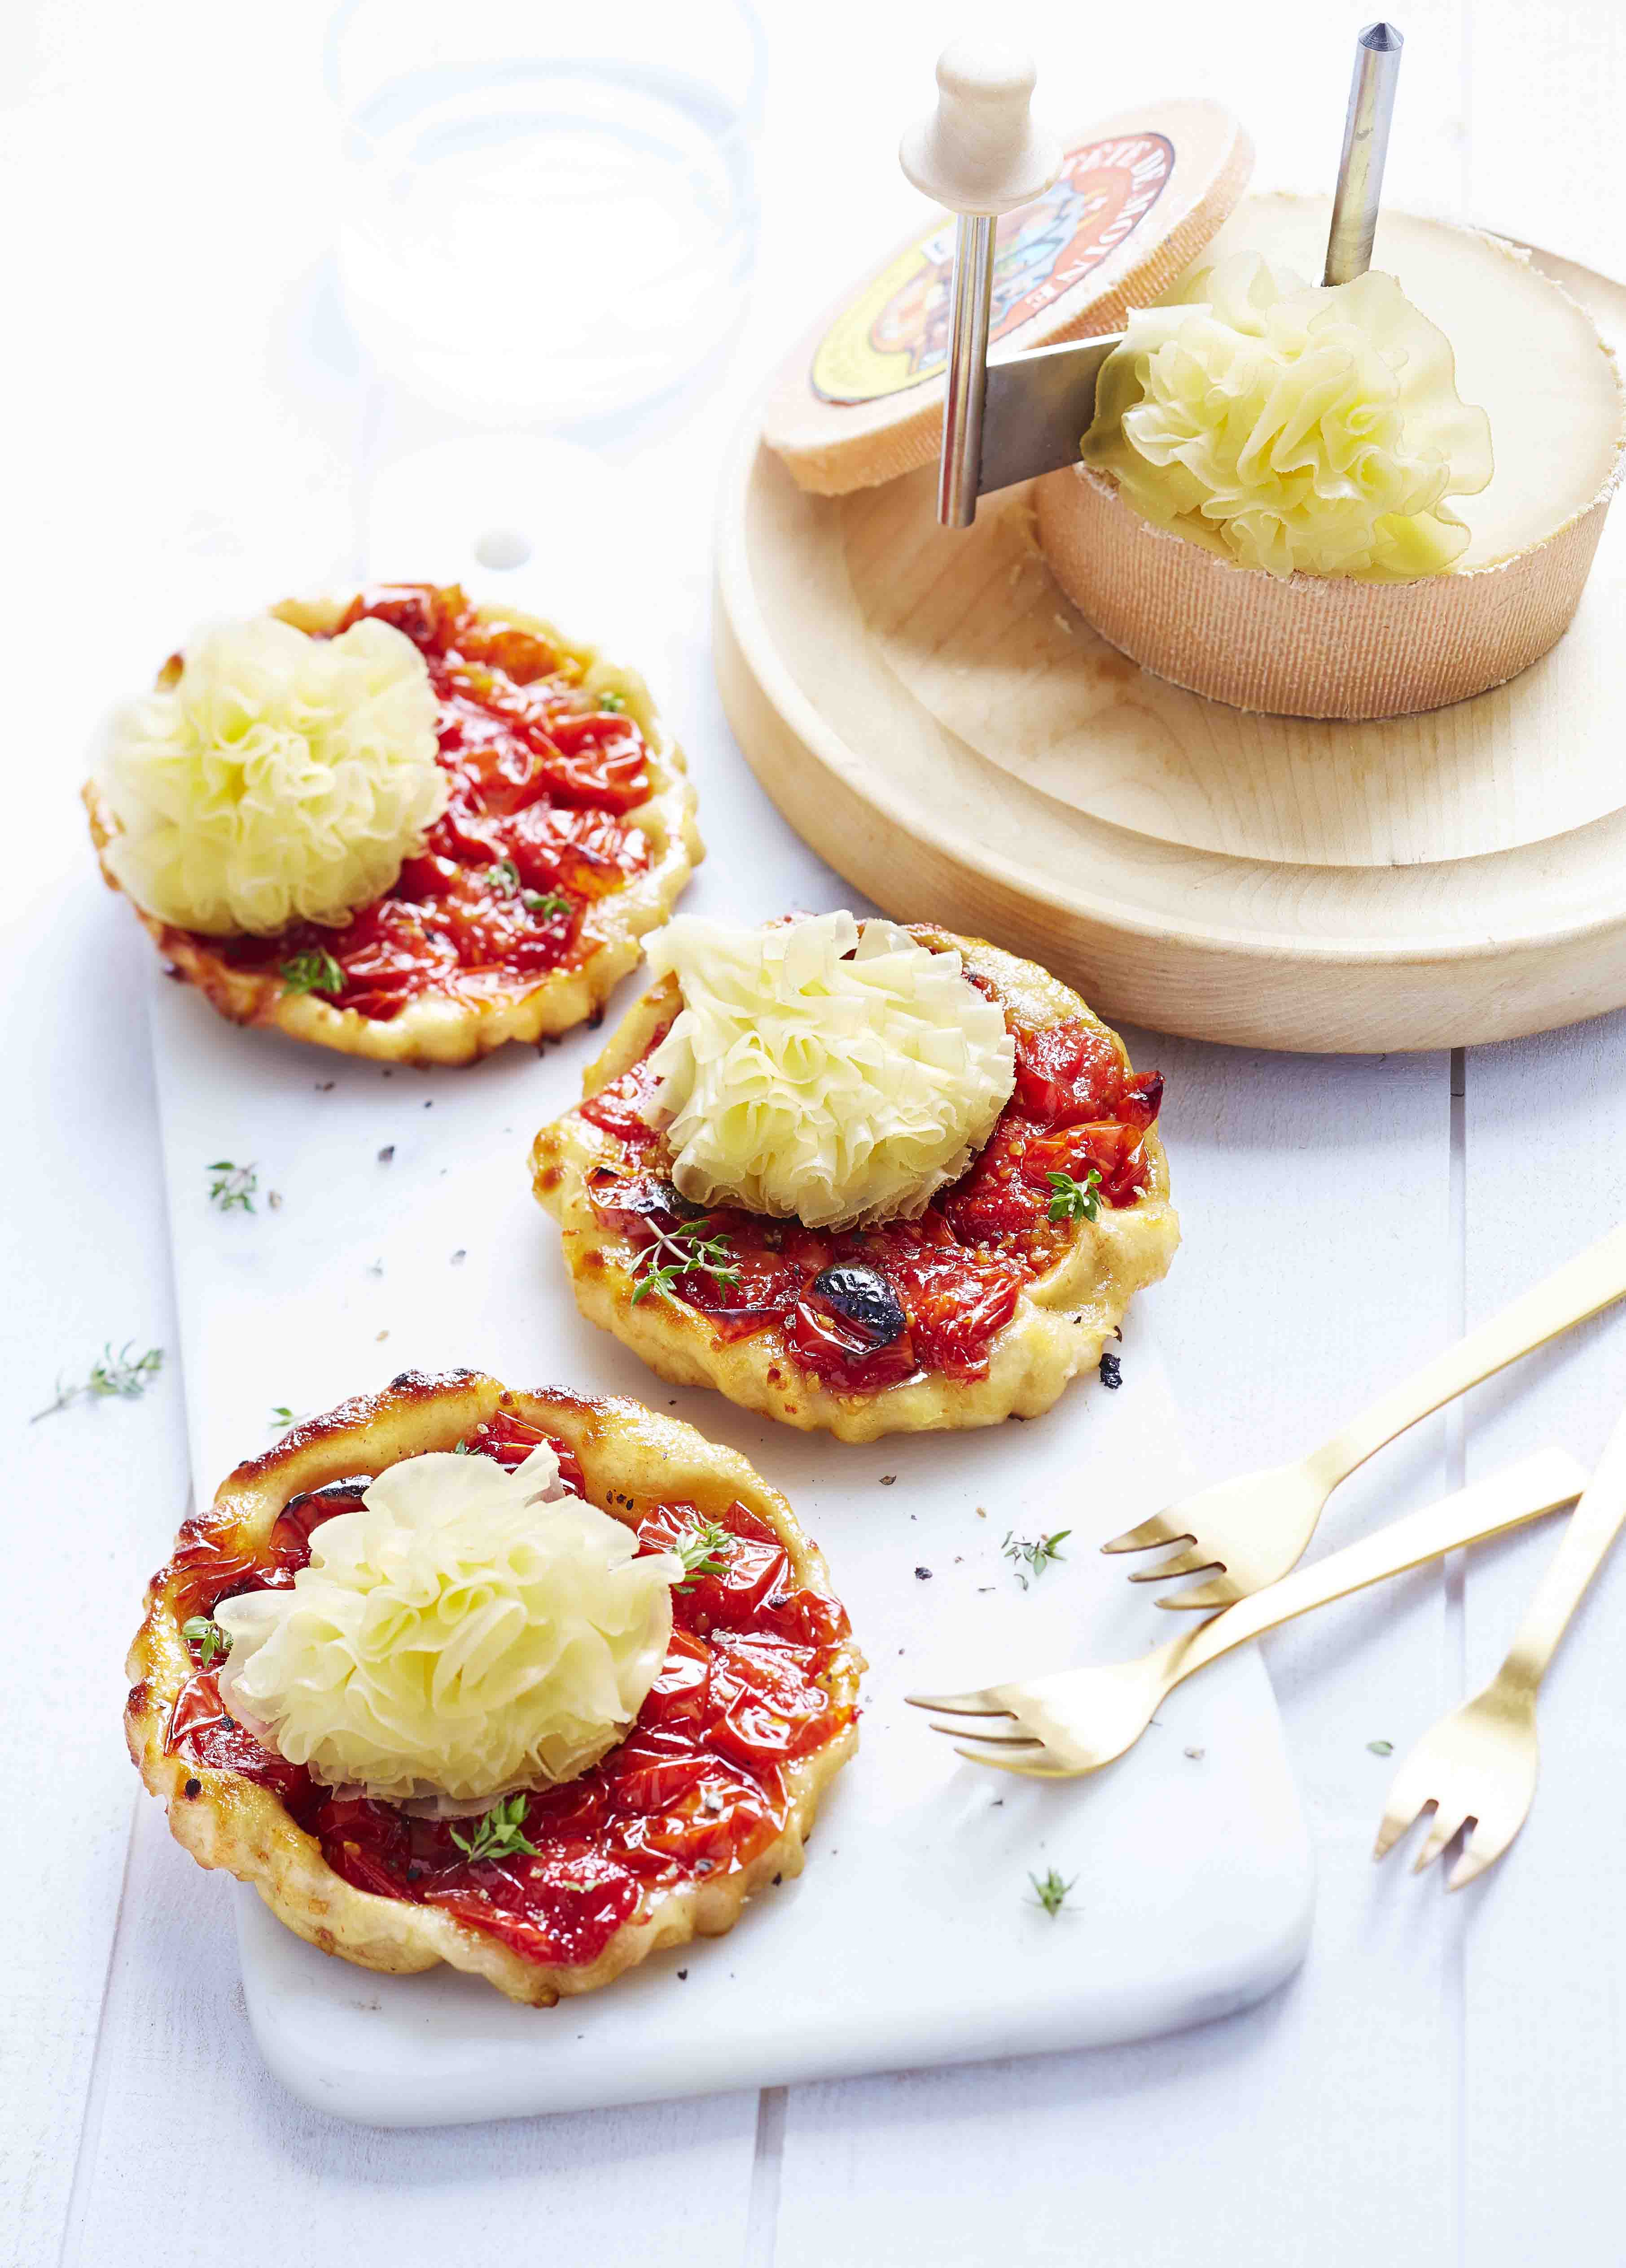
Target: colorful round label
{"x":896,"y":335}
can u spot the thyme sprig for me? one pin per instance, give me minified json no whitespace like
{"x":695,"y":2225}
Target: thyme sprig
{"x":314,"y":971}
{"x":703,"y":1551}
{"x":1050,"y":1891}
{"x":615,"y":703}
{"x":210,"y":1640}
{"x":503,"y":877}
{"x":1035,"y":1551}
{"x":233,"y":1186}
{"x":119,"y":1374}
{"x":680,"y":1252}
{"x":1075,"y":1200}
{"x":500,"y":1833}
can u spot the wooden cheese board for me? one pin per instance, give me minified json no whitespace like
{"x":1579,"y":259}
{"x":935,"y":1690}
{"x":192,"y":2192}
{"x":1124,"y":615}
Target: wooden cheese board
{"x":941,"y":725}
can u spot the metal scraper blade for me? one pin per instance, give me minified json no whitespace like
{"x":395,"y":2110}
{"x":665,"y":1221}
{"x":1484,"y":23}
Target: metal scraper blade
{"x":1035,"y":410}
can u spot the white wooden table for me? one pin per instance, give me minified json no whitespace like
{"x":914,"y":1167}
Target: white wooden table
{"x":186,"y":429}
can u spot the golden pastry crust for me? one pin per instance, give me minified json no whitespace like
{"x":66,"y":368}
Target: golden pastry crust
{"x":1062,"y":1318}
{"x":630,"y":1459}
{"x":436,"y":1028}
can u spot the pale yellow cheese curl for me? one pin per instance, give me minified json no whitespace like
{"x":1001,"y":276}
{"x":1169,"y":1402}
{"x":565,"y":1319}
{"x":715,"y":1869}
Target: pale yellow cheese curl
{"x":824,"y":1071}
{"x":282,"y":779}
{"x":467,"y":1632}
{"x":1293,"y":428}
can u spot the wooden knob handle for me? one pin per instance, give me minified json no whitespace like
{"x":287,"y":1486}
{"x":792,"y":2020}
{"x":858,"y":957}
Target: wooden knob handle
{"x":980,"y":151}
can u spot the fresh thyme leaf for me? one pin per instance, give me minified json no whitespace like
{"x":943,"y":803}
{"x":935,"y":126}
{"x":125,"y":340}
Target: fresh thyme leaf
{"x":1051,"y":1891}
{"x":1035,"y":1553}
{"x":1075,"y":1200}
{"x":504,"y":877}
{"x":548,"y":904}
{"x":687,"y":1254}
{"x":461,"y":1449}
{"x":116,"y":1373}
{"x":232,"y":1185}
{"x":500,"y":1833}
{"x":1381,"y":1748}
{"x":314,"y":971}
{"x":703,"y":1551}
{"x":122,"y":1375}
{"x":615,"y":703}
{"x":210,"y":1640}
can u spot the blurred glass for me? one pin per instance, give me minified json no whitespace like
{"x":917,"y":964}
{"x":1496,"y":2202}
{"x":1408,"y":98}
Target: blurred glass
{"x":550,"y":210}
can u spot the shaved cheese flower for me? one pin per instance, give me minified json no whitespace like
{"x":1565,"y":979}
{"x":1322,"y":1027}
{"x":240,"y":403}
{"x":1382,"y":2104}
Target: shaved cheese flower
{"x":822,"y":1070}
{"x":280,"y":778}
{"x":469,"y":1632}
{"x":1293,"y":428}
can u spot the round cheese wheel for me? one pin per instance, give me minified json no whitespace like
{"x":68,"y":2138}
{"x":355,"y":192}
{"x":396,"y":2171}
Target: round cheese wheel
{"x":1339,"y":647}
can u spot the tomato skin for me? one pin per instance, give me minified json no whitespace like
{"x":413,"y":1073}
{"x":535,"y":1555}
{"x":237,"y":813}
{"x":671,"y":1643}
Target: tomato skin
{"x":1066,"y":1071}
{"x":696,"y":1787}
{"x":538,"y":784}
{"x":841,"y":1354}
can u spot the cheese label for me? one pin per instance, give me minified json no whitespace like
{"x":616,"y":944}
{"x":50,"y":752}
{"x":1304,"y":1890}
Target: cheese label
{"x":895,"y":334}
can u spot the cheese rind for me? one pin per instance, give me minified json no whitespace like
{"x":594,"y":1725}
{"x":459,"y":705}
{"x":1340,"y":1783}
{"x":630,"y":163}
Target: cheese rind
{"x":469,"y":1632}
{"x":824,"y":1071}
{"x":281,"y":778}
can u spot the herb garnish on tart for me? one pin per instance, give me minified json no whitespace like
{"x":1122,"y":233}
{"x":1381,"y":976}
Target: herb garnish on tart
{"x":978,"y":1303}
{"x":560,"y":829}
{"x":557,"y":1886}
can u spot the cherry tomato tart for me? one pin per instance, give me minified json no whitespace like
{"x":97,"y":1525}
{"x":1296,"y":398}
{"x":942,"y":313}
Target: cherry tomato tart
{"x":1012,"y":1281}
{"x":569,"y":831}
{"x":707,"y":1798}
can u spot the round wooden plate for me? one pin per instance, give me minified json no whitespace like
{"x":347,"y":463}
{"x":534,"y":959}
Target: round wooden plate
{"x":938,"y":722}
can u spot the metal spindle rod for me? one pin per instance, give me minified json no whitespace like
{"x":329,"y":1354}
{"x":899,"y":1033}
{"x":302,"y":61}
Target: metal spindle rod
{"x":971,"y":296}
{"x":1365,"y":146}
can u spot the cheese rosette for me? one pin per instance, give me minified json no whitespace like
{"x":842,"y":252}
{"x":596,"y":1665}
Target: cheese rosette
{"x":823,"y":1070}
{"x":281,"y":777}
{"x":468,"y":1632}
{"x":1292,"y":427}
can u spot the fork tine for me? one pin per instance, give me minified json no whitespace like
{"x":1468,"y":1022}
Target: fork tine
{"x":1009,"y":1763}
{"x":1018,"y":1740}
{"x":1484,"y":1846}
{"x":1397,"y":1817}
{"x":1155,"y":1530}
{"x":1447,"y":1823}
{"x":1219,"y":1591}
{"x":961,"y":1704}
{"x":1191,"y":1562}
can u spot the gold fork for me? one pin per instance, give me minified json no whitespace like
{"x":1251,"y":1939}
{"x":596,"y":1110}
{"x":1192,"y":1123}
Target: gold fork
{"x":1253,"y":1529}
{"x":1480,"y":1763}
{"x":1079,"y":1719}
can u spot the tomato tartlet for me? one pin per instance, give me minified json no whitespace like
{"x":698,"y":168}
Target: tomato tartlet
{"x":567,"y":832}
{"x":707,"y":1798}
{"x":1011,"y":1280}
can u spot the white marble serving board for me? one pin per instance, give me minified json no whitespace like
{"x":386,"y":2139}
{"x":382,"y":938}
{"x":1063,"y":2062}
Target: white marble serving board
{"x":913,"y":1936}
